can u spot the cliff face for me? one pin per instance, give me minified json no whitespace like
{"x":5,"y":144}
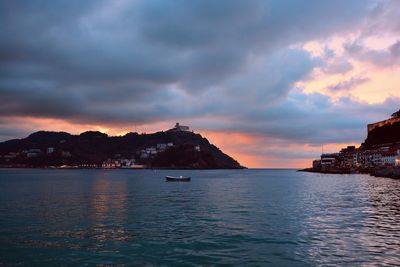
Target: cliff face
{"x":189,"y":150}
{"x":387,"y":134}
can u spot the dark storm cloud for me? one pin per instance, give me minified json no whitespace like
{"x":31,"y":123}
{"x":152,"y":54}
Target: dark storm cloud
{"x":121,"y":62}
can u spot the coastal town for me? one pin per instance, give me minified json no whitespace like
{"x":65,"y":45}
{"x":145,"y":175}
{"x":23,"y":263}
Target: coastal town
{"x":379,"y":155}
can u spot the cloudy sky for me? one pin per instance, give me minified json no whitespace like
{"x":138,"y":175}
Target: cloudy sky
{"x":267,"y":81}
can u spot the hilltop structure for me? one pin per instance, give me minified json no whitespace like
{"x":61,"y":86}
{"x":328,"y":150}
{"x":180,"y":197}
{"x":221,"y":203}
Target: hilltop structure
{"x":180,"y":128}
{"x":394,"y":119}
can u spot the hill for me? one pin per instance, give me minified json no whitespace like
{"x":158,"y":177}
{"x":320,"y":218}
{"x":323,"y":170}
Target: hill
{"x":385,"y":135}
{"x":169,"y":149}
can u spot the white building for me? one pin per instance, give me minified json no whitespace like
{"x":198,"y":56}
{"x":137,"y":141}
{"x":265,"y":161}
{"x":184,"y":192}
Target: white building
{"x":389,"y":159}
{"x":328,"y":159}
{"x":180,"y":128}
{"x":34,"y":152}
{"x":357,"y":159}
{"x":161,"y":146}
{"x":144,"y":155}
{"x":11,"y":155}
{"x":377,"y":159}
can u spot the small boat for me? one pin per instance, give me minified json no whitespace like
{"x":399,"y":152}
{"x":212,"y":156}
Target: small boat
{"x":177,"y":178}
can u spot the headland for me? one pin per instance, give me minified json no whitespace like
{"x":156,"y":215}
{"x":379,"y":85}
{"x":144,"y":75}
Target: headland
{"x":176,"y":148}
{"x":378,"y":155}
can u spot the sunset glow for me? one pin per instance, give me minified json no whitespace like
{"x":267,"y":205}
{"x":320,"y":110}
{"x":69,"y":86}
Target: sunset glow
{"x":268,"y":85}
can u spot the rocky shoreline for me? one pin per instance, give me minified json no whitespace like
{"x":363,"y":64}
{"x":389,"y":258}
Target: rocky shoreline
{"x":387,"y":172}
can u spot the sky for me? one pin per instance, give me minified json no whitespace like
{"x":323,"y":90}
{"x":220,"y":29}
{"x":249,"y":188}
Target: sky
{"x":270,"y":82}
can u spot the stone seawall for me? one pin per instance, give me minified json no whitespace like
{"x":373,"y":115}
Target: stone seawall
{"x":388,"y":172}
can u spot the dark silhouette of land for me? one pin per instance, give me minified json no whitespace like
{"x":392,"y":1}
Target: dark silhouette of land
{"x":165,"y":149}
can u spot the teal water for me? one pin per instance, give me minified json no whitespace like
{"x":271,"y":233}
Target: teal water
{"x":222,"y":217}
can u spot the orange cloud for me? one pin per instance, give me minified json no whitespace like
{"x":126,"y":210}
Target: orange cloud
{"x":383,"y":81}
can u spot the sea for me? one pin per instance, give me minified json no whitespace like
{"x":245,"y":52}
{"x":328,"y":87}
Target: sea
{"x":251,"y":217}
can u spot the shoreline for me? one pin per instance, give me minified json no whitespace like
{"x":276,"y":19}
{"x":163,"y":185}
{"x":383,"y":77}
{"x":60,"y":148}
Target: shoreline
{"x":99,"y":168}
{"x":384,"y":172}
{"x":388,"y":172}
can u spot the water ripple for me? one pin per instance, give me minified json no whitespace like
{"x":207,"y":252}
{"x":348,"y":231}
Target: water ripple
{"x":245,"y":217}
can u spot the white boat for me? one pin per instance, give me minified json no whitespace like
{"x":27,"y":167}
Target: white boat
{"x":177,"y":178}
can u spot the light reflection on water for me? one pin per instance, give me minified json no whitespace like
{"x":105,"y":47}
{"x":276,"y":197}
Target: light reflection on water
{"x":240,"y":217}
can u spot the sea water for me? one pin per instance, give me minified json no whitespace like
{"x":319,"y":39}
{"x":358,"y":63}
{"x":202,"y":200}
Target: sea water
{"x":222,"y":217}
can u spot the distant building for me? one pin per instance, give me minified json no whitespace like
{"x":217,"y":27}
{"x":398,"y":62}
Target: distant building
{"x":389,"y":158}
{"x":179,"y":127}
{"x":108,"y":164}
{"x":34,"y":152}
{"x":347,"y":157}
{"x":357,"y":156}
{"x":50,"y":150}
{"x":161,"y":147}
{"x":395,"y":118}
{"x":66,"y":154}
{"x":119,"y":163}
{"x":197,"y":148}
{"x":377,"y":159}
{"x":371,"y":158}
{"x":11,"y":155}
{"x":316,"y":164}
{"x":348,"y":149}
{"x":329,"y":160}
{"x":397,"y":161}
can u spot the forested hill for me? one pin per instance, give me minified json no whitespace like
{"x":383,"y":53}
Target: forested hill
{"x":169,"y":149}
